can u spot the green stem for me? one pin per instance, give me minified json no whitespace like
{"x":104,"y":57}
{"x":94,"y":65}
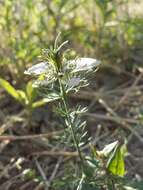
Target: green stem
{"x":113,"y":185}
{"x":29,"y":112}
{"x":71,"y":127}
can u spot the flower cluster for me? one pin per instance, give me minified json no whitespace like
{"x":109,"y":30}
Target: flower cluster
{"x":71,"y":71}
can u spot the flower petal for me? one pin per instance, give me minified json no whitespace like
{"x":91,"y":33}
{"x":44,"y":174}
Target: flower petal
{"x":85,"y":63}
{"x":73,"y":82}
{"x":37,"y":69}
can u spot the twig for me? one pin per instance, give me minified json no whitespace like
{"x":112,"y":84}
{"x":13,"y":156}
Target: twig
{"x":31,"y":137}
{"x":42,"y":174}
{"x":10,"y":166}
{"x":3,"y":145}
{"x":55,"y":170}
{"x":26,"y":185}
{"x":120,"y":120}
{"x":9,"y":121}
{"x":111,"y":118}
{"x":67,"y":153}
{"x":7,"y":184}
{"x":40,"y":186}
{"x":129,"y":90}
{"x":55,"y":153}
{"x":92,"y":95}
{"x":53,"y":173}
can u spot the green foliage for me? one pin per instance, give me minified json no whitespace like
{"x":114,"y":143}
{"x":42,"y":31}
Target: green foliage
{"x":135,"y":185}
{"x":10,"y":89}
{"x":115,"y":164}
{"x":26,"y":97}
{"x":28,"y":26}
{"x":29,"y":173}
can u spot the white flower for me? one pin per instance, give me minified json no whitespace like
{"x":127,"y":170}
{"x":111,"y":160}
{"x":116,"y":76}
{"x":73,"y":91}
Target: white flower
{"x":80,"y":64}
{"x":76,"y":65}
{"x":85,"y":64}
{"x":73,"y":82}
{"x":37,"y":69}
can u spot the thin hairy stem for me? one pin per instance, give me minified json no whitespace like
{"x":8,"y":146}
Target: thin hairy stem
{"x":71,"y":127}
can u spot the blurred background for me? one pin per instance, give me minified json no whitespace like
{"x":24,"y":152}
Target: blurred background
{"x":109,"y":30}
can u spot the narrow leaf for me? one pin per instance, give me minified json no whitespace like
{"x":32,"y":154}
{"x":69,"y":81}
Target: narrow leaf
{"x":22,"y":97}
{"x":42,"y":102}
{"x":115,"y":164}
{"x":31,"y":91}
{"x":9,"y":88}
